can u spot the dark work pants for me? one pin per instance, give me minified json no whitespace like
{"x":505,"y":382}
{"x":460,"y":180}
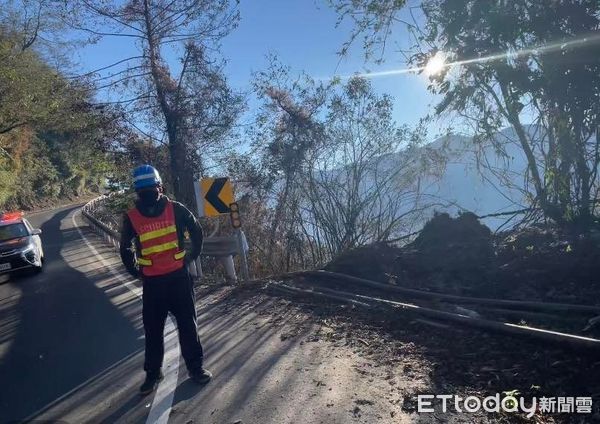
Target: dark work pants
{"x":173,"y":293}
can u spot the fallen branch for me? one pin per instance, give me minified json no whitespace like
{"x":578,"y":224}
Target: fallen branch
{"x":294,"y":290}
{"x":517,"y":212}
{"x":533,"y":333}
{"x":521,"y":314}
{"x":414,"y":293}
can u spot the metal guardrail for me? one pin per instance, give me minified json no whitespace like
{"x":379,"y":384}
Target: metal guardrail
{"x":110,"y":235}
{"x":219,"y":247}
{"x":212,"y":246}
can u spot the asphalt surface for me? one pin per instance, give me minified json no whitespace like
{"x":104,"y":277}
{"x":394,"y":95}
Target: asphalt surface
{"x":71,"y":351}
{"x":59,"y":328}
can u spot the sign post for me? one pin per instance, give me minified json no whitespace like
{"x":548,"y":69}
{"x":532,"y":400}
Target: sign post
{"x":214,"y":197}
{"x":242,"y":249}
{"x":196,"y":269}
{"x":236,"y":223}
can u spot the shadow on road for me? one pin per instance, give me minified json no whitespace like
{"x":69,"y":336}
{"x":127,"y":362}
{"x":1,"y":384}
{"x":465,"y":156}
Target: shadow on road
{"x":76,"y":322}
{"x":59,"y":327}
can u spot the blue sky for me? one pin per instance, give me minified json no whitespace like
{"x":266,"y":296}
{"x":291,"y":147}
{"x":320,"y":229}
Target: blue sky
{"x":303,"y":34}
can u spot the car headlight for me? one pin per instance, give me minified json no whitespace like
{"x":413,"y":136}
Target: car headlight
{"x":28,"y":248}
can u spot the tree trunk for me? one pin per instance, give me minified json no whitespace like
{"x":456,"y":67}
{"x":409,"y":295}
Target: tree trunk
{"x":541,"y":193}
{"x":282,"y":201}
{"x":182,"y":181}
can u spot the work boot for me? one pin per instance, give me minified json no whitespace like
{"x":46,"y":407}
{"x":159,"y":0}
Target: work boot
{"x":201,"y":376}
{"x":151,"y":383}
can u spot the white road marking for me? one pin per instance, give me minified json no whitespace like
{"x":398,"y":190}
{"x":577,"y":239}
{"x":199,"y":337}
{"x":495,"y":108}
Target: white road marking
{"x":163,"y":397}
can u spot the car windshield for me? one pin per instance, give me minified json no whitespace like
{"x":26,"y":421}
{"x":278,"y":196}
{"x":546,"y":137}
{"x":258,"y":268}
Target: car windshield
{"x":12,"y":231}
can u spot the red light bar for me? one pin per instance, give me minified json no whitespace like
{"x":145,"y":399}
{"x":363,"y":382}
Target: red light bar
{"x":11,"y":216}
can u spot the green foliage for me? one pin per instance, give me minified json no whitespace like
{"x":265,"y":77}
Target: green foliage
{"x":508,"y":62}
{"x":53,"y":144}
{"x":523,"y":60}
{"x":32,"y":93}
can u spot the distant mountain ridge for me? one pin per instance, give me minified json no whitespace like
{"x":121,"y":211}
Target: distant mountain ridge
{"x":467,"y":184}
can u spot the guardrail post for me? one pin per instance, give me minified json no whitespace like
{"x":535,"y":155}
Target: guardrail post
{"x":242,"y":248}
{"x":229,"y":266}
{"x":195,"y":268}
{"x":198,"y":266}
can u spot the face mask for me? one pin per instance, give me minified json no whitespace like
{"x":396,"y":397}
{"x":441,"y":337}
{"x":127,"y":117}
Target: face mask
{"x":148,"y":197}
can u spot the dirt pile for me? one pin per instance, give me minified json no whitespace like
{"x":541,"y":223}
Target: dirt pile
{"x":549,"y":264}
{"x":448,"y":249}
{"x":376,"y":262}
{"x":462,"y":256}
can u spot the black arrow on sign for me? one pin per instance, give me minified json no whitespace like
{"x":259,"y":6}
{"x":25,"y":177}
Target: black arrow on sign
{"x":212,"y":195}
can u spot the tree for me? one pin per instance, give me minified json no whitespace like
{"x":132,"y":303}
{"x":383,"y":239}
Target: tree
{"x":38,"y":25}
{"x":361,"y":188}
{"x":512,"y":61}
{"x":288,"y":129}
{"x":325,"y":173}
{"x":32,"y":93}
{"x":193,"y":105}
{"x":53,"y":142}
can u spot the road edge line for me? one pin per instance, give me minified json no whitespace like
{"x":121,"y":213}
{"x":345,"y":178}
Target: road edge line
{"x":162,"y":401}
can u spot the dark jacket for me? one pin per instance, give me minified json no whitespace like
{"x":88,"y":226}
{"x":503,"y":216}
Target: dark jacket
{"x":184,"y":221}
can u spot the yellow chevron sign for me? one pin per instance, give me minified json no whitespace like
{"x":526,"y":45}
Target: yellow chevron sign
{"x":217,"y":195}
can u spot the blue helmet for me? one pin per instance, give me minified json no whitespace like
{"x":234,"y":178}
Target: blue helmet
{"x":146,"y":176}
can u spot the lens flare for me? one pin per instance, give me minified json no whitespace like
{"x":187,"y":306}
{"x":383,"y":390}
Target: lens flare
{"x":435,"y":65}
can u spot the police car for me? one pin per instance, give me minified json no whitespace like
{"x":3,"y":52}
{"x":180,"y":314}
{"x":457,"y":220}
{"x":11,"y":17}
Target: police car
{"x":20,"y":244}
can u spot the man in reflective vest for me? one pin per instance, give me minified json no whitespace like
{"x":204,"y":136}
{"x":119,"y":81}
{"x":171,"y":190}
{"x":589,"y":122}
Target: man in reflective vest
{"x":157,"y":227}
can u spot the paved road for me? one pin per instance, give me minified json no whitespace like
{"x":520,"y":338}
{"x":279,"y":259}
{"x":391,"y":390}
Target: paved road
{"x":63,"y":326}
{"x":71,"y":349}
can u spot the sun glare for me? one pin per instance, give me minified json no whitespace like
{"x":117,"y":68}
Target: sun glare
{"x":435,"y":65}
